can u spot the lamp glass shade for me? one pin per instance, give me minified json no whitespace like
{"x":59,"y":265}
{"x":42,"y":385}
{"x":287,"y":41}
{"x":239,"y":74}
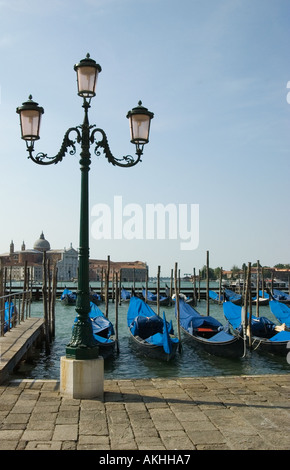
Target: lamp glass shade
{"x":87,"y":75}
{"x":139,"y":120}
{"x":30,"y":116}
{"x":30,"y":124}
{"x":139,"y":128}
{"x":87,"y":80}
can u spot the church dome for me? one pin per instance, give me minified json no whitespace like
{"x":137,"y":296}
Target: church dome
{"x":41,"y":244}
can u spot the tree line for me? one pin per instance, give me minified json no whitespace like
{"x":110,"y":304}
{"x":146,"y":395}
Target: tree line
{"x":214,"y":273}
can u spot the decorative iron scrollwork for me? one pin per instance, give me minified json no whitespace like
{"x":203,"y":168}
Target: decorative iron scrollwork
{"x":43,"y":159}
{"x":126,"y":161}
{"x":103,"y":144}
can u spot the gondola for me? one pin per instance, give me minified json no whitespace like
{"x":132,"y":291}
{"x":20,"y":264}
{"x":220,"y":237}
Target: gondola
{"x":68,"y":297}
{"x":95,"y":297}
{"x":215,"y":297}
{"x":208,"y":333}
{"x":151,"y":335}
{"x":277,"y":295}
{"x":150,"y":298}
{"x":103,"y":331}
{"x":10,"y":315}
{"x":263,"y":301}
{"x":233,"y":297}
{"x":125,"y":295}
{"x":281,"y":296}
{"x":266,"y":336}
{"x":186,"y":298}
{"x":281,"y":312}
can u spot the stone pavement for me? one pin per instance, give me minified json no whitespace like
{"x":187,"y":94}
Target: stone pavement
{"x":203,"y":413}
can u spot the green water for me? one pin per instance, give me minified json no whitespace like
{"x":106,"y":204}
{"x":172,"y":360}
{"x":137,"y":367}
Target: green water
{"x":127,"y":364}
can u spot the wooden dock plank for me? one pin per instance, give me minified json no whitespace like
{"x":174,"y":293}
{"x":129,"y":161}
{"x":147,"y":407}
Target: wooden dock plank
{"x":16,"y":343}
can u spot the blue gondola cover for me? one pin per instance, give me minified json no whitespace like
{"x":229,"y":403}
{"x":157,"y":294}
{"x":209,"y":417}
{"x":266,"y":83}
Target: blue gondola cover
{"x":280,"y":311}
{"x":190,"y":318}
{"x":144,"y":322}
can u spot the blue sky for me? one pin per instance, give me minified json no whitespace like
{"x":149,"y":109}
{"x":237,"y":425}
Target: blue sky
{"x":215,"y":74}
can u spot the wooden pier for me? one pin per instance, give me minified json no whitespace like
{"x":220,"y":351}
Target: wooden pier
{"x":201,"y":293}
{"x":18,"y":343}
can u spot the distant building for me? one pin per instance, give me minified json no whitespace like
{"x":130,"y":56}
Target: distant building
{"x":277,"y":274}
{"x":128,"y":271}
{"x":67,"y":264}
{"x":66,"y":261}
{"x":41,"y":244}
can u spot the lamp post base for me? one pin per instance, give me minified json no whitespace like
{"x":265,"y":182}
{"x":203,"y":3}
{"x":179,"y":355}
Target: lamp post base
{"x":75,"y":352}
{"x":83,"y":379}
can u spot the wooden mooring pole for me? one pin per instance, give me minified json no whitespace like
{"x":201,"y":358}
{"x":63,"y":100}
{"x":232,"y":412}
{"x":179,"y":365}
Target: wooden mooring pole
{"x":246,"y":304}
{"x":220,"y":286}
{"x":194,"y":288}
{"x":45,"y":303}
{"x":116,"y":314}
{"x":107,"y":287}
{"x":257,"y":289}
{"x":49,"y":287}
{"x":207,"y":283}
{"x":54,"y":288}
{"x":177,"y":305}
{"x":24,"y":292}
{"x":158,"y":291}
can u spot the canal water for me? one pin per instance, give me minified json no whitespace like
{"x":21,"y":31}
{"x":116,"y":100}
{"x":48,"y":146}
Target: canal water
{"x":128,"y":364}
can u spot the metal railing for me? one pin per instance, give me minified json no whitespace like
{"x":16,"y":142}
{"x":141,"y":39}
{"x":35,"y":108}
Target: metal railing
{"x":14,"y":309}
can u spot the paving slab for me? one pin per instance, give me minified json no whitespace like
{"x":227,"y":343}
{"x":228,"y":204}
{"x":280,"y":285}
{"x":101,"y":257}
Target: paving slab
{"x":180,"y":414}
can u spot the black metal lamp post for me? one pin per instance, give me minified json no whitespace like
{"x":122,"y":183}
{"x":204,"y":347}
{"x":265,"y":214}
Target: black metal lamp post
{"x":83,"y":344}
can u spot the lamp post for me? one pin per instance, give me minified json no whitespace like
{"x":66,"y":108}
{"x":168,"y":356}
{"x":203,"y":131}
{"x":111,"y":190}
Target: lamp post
{"x":83,"y":345}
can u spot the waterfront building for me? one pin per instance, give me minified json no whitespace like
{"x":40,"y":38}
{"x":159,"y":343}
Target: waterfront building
{"x":128,"y":271}
{"x":15,"y":261}
{"x":66,"y":261}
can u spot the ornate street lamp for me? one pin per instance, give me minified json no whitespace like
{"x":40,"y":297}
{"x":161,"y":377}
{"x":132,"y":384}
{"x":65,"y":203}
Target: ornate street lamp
{"x":83,"y":344}
{"x":30,"y":117}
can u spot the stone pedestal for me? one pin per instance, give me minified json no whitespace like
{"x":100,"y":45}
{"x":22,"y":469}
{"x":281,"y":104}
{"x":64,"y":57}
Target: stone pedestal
{"x":82,"y":378}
